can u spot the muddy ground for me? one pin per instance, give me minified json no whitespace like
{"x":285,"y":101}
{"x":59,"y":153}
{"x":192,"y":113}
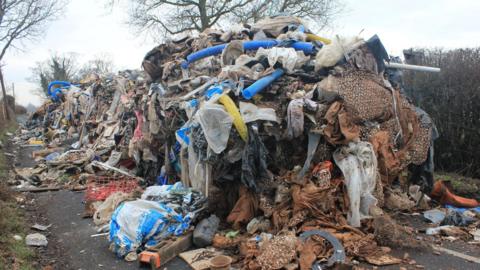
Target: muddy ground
{"x":72,"y":247}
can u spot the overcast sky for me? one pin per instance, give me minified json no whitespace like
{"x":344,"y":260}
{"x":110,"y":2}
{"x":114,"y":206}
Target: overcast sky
{"x":88,"y":29}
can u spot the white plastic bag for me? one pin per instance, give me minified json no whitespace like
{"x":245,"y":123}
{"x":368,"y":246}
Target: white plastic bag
{"x":358,"y":164}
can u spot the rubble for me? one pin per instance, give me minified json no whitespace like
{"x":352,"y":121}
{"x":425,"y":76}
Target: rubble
{"x":272,"y":129}
{"x":36,"y":240}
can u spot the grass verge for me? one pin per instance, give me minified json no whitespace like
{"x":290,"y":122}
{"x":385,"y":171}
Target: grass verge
{"x":14,"y":254}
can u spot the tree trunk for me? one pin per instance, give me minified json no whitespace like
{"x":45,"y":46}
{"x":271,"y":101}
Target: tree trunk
{"x":6,"y":113}
{"x":204,"y":20}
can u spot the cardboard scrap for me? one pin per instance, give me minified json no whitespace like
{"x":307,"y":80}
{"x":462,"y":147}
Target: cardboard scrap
{"x":199,"y":259}
{"x":382,"y":260}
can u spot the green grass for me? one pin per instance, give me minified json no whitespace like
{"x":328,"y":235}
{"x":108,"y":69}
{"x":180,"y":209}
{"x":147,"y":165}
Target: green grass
{"x":14,"y":254}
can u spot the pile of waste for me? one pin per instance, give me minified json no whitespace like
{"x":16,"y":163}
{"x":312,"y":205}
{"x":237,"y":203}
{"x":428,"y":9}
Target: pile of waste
{"x":294,"y":144}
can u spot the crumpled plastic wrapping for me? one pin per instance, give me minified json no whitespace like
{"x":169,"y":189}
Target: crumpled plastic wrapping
{"x":359,"y":167}
{"x":148,"y":222}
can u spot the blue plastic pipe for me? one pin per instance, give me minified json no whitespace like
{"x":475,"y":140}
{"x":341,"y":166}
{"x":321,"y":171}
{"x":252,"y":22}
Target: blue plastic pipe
{"x":306,"y":47}
{"x":54,"y":83}
{"x":261,"y":84}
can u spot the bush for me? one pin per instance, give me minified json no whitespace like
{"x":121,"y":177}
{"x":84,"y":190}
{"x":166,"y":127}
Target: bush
{"x":452,"y":98}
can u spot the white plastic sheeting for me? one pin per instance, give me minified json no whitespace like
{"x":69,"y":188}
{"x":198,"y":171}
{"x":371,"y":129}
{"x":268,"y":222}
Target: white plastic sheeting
{"x":250,"y":113}
{"x":288,"y":57}
{"x":359,"y":167}
{"x":216,"y":124}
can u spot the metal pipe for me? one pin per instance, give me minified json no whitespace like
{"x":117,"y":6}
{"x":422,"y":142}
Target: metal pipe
{"x":411,"y":67}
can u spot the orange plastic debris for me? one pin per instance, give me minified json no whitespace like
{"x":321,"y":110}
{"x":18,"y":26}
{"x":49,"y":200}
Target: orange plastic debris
{"x":442,"y":194}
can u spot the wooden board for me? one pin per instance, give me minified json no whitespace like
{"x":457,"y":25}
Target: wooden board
{"x":174,"y":248}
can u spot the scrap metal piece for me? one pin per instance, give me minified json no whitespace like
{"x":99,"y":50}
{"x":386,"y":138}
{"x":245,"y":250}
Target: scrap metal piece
{"x":338,"y":255}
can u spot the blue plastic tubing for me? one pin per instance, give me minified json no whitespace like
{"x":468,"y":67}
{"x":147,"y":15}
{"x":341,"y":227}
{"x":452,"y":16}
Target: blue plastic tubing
{"x":306,"y":47}
{"x":61,"y":83}
{"x":259,"y":85}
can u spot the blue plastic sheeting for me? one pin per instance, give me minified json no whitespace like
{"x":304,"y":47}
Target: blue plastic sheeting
{"x":461,"y":210}
{"x":306,"y":47}
{"x":261,"y":84}
{"x":213,"y":91}
{"x":139,"y":222}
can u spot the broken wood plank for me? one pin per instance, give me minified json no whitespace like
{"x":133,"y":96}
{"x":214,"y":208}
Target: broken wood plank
{"x":173,"y":249}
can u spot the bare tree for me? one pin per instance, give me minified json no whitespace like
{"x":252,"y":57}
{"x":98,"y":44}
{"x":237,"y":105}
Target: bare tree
{"x":56,"y":68}
{"x":22,"y":20}
{"x":319,"y":12}
{"x":100,"y":64}
{"x":169,"y":17}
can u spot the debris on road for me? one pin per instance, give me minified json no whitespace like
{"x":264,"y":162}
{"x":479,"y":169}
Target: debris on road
{"x":39,"y":227}
{"x":36,"y":240}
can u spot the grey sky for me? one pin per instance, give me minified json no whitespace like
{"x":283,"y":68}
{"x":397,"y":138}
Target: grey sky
{"x":87,"y":29}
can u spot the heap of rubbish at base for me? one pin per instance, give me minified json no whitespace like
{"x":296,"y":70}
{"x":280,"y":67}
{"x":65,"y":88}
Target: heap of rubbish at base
{"x":295,"y":142}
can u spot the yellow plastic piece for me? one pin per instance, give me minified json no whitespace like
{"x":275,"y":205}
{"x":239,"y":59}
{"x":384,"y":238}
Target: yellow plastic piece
{"x":238,"y":122}
{"x":35,"y":142}
{"x":317,"y":38}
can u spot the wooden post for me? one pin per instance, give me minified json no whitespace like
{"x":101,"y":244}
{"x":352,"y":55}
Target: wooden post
{"x":6,"y":113}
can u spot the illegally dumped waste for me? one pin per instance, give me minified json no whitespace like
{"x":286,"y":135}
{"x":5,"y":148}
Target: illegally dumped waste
{"x":281,"y":134}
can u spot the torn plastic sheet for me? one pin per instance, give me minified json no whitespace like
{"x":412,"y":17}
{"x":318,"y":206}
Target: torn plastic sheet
{"x":434,"y":215}
{"x":288,"y":57}
{"x":254,"y":161}
{"x":358,"y":164}
{"x":250,"y":113}
{"x":462,"y":210}
{"x":216,"y":124}
{"x":197,"y":169}
{"x":313,"y":140}
{"x":457,"y":218}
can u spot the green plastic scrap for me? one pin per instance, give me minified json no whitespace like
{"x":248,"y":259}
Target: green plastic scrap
{"x":232,"y":234}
